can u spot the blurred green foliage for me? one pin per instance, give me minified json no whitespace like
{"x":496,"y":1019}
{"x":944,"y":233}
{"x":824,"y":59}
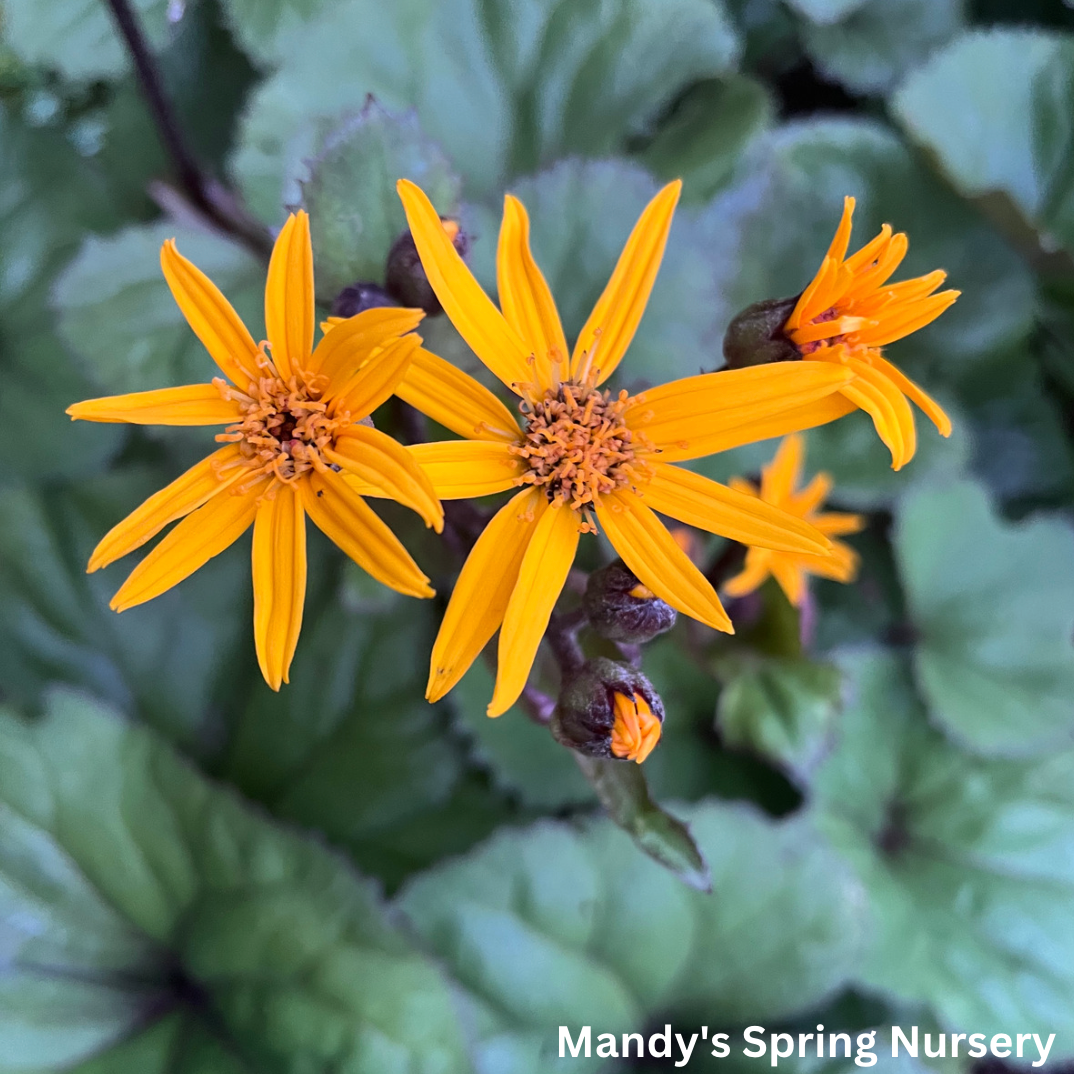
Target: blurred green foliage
{"x":198,"y":876}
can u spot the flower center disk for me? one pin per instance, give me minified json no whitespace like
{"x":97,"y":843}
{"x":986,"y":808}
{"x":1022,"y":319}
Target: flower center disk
{"x":286,"y":427}
{"x":577,"y":445}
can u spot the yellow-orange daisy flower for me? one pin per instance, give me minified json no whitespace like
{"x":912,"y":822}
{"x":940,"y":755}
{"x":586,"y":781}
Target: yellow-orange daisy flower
{"x":294,"y":416}
{"x":583,"y":456}
{"x":779,"y":487}
{"x":637,"y":728}
{"x":849,"y":312}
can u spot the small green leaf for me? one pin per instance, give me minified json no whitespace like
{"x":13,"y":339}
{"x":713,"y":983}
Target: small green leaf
{"x":562,"y":926}
{"x":117,"y":312}
{"x":145,"y":891}
{"x":706,"y":134}
{"x":876,"y":43}
{"x":783,"y":708}
{"x":992,"y":605}
{"x":966,"y":863}
{"x":78,"y":38}
{"x":355,"y":212}
{"x":504,"y":90}
{"x":994,"y":109}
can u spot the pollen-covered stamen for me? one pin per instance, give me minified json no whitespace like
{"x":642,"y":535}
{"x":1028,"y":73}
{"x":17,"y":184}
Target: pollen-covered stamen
{"x":808,"y":347}
{"x":577,"y":445}
{"x":285,"y":429}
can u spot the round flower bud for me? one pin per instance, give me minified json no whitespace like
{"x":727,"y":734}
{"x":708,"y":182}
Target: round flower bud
{"x":609,"y":710}
{"x":621,"y":609}
{"x":405,"y":276}
{"x":755,"y":336}
{"x":359,"y":297}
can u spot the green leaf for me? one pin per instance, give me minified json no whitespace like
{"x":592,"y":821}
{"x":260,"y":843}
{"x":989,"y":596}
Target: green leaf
{"x":707,"y":132}
{"x":504,"y":90}
{"x":117,"y":312}
{"x":133,"y":889}
{"x":966,"y":863}
{"x":826,"y":12}
{"x":355,"y":212}
{"x":624,"y":793}
{"x":165,"y":658}
{"x":581,"y":214}
{"x":783,"y":708}
{"x":351,"y":747}
{"x":265,"y":27}
{"x":880,"y":41}
{"x":992,"y":605}
{"x":565,"y":926}
{"x":77,"y":37}
{"x":522,"y":757}
{"x":994,"y":110}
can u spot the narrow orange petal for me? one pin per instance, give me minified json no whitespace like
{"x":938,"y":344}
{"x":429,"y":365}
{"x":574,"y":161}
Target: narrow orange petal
{"x":525,"y":298}
{"x":454,"y":399}
{"x":802,"y":503}
{"x":752,"y":576}
{"x":374,"y":383}
{"x":190,"y":404}
{"x":377,"y":459}
{"x":348,"y":344}
{"x":682,"y":417}
{"x":541,"y":578}
{"x":932,"y":410}
{"x":211,"y":316}
{"x":203,"y":534}
{"x":708,"y":505}
{"x":909,"y":320}
{"x":471,"y":311}
{"x":481,"y":594}
{"x":459,"y":469}
{"x":611,"y":326}
{"x":838,"y":249}
{"x":837,"y":523}
{"x":185,"y":494}
{"x":653,"y":555}
{"x":791,"y":579}
{"x":279,"y":573}
{"x":782,"y":475}
{"x":289,"y":298}
{"x":887,"y":406}
{"x":347,"y":520}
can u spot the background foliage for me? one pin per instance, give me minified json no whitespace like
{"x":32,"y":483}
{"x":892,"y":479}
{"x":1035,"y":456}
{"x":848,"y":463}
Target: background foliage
{"x":197,"y":875}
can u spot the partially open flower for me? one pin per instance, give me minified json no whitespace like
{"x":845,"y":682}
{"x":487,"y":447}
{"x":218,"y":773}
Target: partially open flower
{"x":609,"y":710}
{"x":620,"y":608}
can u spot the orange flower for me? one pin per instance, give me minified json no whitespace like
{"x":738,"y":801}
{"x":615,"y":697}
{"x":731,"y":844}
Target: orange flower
{"x":583,"y":456}
{"x":849,"y":312}
{"x":791,"y":570}
{"x":637,"y":728}
{"x":294,"y":417}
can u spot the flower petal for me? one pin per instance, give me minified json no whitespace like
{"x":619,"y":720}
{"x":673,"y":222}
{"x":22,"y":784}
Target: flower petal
{"x":211,"y":316}
{"x":185,"y":494}
{"x":377,"y":459}
{"x":541,"y":578}
{"x":653,"y":555}
{"x":349,"y":343}
{"x":526,"y":301}
{"x":454,"y":399}
{"x":481,"y":594}
{"x":791,"y":579}
{"x":374,"y":383}
{"x":708,"y":505}
{"x":191,"y":404}
{"x":611,"y":326}
{"x":279,"y":572}
{"x":752,"y":576}
{"x":203,"y":534}
{"x":347,"y":520}
{"x":782,"y":475}
{"x":459,"y":469}
{"x":471,"y":311}
{"x":712,"y":412}
{"x":887,"y":406}
{"x":932,"y":410}
{"x":289,"y":300}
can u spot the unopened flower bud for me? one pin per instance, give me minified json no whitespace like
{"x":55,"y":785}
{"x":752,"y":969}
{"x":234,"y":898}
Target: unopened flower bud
{"x":609,"y":710}
{"x":755,"y":336}
{"x":359,"y":297}
{"x":622,"y":609}
{"x":405,"y":275}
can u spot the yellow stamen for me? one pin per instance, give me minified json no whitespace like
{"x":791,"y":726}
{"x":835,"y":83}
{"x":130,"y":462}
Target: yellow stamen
{"x":637,"y":729}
